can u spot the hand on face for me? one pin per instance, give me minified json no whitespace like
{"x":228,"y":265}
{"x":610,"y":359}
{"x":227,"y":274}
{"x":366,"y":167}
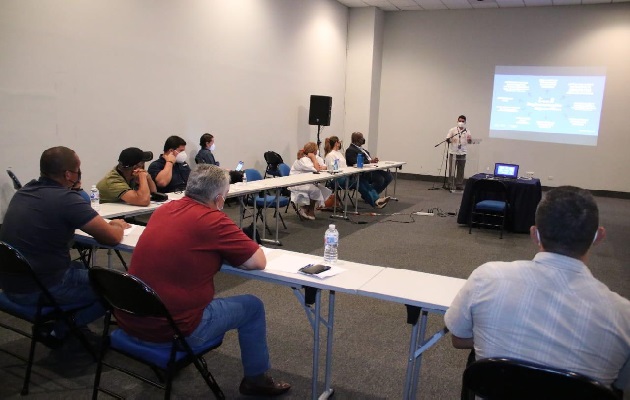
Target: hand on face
{"x":139,"y":173}
{"x":171,"y":156}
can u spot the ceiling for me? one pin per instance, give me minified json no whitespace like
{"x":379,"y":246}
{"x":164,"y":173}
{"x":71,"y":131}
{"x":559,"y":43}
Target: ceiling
{"x":414,"y":5}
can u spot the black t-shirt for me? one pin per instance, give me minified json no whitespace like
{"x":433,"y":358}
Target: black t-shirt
{"x":40,"y":222}
{"x":179,"y":177}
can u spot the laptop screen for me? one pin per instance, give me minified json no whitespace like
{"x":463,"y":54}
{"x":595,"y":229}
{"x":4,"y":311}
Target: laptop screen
{"x":505,"y":170}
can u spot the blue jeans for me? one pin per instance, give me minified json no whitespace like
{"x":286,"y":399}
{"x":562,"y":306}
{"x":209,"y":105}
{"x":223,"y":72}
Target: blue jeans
{"x":74,"y":288}
{"x":380,"y":179}
{"x":246,"y":313}
{"x":368,"y":194}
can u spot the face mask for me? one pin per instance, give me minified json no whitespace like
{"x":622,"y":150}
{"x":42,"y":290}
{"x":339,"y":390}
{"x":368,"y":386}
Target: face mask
{"x":74,"y":185}
{"x":362,"y":141}
{"x":212,"y":147}
{"x":461,"y":124}
{"x":181,"y":157}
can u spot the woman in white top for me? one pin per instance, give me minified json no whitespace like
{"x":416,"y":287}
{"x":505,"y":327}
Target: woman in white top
{"x":332,"y":151}
{"x":309,"y":195}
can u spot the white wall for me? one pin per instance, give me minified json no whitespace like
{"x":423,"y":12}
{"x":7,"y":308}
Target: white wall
{"x":102,"y":75}
{"x":439,"y":64}
{"x":363,"y":75}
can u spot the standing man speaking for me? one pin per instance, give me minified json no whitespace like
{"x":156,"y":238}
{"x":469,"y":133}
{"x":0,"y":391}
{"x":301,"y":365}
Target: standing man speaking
{"x":457,"y":137}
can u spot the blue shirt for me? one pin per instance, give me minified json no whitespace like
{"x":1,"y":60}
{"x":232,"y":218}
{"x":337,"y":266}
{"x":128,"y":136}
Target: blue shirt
{"x":40,"y":222}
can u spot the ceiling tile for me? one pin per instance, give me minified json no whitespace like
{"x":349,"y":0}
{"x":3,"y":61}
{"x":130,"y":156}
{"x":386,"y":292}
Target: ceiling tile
{"x":537,"y":3}
{"x":483,"y":4}
{"x":566,"y":2}
{"x":431,"y":4}
{"x":456,"y":4}
{"x":510,"y":3}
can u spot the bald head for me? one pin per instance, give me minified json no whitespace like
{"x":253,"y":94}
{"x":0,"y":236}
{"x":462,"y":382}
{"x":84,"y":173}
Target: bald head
{"x":357,"y":138}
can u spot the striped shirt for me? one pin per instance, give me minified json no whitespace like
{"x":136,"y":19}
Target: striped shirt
{"x":550,"y":311}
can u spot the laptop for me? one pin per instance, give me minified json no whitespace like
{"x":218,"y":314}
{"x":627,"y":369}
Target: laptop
{"x":505,"y":171}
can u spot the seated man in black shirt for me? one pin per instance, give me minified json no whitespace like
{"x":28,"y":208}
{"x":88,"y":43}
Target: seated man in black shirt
{"x":40,"y":222}
{"x":170,"y":171}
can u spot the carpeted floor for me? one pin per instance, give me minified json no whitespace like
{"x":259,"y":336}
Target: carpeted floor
{"x":371,"y":336}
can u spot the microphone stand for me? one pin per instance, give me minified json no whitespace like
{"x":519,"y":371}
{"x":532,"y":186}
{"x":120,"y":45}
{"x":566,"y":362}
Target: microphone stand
{"x":446,"y":165}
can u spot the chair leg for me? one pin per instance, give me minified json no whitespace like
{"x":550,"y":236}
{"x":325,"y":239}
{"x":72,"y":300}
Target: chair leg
{"x":169,"y":385}
{"x":296,"y":211}
{"x":29,"y":365}
{"x":122,"y":260}
{"x":202,"y":367}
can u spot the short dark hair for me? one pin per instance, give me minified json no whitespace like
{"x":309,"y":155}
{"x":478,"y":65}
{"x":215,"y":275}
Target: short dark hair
{"x":205,"y":138}
{"x":461,"y":117}
{"x":173,"y":142}
{"x":57,"y":160}
{"x":567,"y":219}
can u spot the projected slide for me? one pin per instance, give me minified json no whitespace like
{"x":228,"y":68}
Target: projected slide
{"x":547,"y":104}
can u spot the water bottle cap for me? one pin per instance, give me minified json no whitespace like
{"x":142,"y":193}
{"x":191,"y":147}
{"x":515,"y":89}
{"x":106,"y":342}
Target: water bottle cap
{"x":331,"y":226}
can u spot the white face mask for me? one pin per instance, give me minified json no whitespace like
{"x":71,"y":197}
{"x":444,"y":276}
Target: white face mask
{"x":212,"y":147}
{"x":461,"y":124}
{"x":181,"y":157}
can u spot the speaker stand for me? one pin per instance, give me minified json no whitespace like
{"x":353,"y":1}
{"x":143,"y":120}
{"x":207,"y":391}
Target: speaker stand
{"x":319,"y":142}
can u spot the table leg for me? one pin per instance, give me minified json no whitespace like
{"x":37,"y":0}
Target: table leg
{"x":418,"y":318}
{"x":311,"y":302}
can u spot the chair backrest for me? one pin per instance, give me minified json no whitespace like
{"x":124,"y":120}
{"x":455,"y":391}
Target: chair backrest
{"x":285,"y":170}
{"x":127,"y":293}
{"x":252,"y":175}
{"x":16,"y":182}
{"x":14,"y":266}
{"x":273,"y":159}
{"x":504,"y":378}
{"x":489,"y":189}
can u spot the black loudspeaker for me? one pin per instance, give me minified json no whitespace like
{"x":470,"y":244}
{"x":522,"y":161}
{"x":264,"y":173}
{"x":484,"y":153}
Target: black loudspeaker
{"x":319,"y":112}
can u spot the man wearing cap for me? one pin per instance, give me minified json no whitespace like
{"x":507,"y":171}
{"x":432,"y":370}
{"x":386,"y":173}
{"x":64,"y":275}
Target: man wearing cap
{"x":128,"y":181}
{"x":170,"y":171}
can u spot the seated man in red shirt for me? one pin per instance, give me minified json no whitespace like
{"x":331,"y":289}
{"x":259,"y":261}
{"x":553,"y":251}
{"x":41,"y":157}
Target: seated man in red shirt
{"x":181,"y":250}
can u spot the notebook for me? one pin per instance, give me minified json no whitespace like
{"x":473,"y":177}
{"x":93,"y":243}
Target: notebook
{"x":505,"y":171}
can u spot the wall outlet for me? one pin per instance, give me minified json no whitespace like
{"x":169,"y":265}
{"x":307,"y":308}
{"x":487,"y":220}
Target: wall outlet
{"x":550,"y":178}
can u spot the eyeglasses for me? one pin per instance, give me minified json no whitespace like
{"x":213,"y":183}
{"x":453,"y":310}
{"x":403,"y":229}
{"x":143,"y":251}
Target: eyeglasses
{"x":76,"y":172}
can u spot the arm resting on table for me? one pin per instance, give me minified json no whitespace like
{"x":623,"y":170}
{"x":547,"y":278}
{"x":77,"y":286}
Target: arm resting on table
{"x":109,"y":234}
{"x":256,"y":261}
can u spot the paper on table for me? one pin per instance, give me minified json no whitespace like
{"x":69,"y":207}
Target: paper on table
{"x":129,"y":230}
{"x":293,"y":262}
{"x":331,"y":272}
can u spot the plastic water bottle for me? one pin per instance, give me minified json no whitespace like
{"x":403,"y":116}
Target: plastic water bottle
{"x":359,"y":160}
{"x":95,"y":198}
{"x":331,"y":243}
{"x":336,"y":165}
{"x":244,"y":178}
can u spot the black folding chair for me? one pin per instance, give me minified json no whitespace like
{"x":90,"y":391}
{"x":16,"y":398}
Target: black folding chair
{"x":13,"y":265}
{"x":510,"y":379}
{"x":126,"y":293}
{"x":490,"y":204}
{"x":16,"y":182}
